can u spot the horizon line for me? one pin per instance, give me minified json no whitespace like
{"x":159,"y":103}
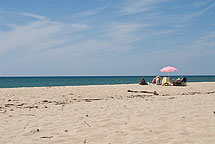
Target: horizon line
{"x":104,"y":75}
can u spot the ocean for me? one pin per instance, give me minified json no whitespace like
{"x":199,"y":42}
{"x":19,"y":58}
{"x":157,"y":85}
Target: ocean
{"x":48,"y":81}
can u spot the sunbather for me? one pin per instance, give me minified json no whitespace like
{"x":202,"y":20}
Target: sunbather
{"x":158,"y":80}
{"x":181,"y":81}
{"x":143,"y":82}
{"x":154,"y":80}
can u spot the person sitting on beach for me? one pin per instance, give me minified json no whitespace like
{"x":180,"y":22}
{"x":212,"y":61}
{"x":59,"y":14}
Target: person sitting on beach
{"x":143,"y":82}
{"x":166,"y":82}
{"x":176,"y":80}
{"x":158,"y":80}
{"x":181,"y":81}
{"x":173,"y":80}
{"x":154,"y":80}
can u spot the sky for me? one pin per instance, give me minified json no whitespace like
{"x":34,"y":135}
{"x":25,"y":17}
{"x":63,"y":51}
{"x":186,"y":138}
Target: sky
{"x":106,"y":37}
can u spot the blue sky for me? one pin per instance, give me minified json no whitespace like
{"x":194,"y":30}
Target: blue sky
{"x":106,"y":37}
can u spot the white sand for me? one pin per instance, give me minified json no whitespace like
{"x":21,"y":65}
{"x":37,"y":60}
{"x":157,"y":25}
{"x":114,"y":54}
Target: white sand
{"x":108,"y":115}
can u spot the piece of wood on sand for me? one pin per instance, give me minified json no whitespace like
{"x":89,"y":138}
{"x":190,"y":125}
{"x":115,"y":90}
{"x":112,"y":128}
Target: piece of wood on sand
{"x":154,"y":92}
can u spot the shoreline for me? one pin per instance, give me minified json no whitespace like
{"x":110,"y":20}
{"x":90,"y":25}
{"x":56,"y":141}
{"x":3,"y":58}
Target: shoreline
{"x":99,"y":85}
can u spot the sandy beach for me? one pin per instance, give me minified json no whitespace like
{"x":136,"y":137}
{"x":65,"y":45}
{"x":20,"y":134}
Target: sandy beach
{"x":108,"y":114}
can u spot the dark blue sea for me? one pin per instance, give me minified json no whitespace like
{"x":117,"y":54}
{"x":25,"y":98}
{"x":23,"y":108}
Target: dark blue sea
{"x":48,"y":81}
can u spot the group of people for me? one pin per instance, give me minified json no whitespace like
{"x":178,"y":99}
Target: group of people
{"x":157,"y":80}
{"x":165,"y":81}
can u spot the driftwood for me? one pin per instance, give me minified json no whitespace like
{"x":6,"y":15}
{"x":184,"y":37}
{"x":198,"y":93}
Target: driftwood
{"x":210,"y":92}
{"x":30,"y":107}
{"x":21,"y":104}
{"x":87,"y":124}
{"x":28,"y":114}
{"x":142,"y":96}
{"x":8,"y":105}
{"x":49,"y":137}
{"x":88,"y":99}
{"x":155,"y":93}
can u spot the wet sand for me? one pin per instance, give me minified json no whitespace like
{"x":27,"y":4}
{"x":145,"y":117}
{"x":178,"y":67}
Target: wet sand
{"x":108,"y":114}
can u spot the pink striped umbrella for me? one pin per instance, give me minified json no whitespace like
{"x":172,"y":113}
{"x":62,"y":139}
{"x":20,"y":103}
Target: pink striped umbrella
{"x":168,"y":69}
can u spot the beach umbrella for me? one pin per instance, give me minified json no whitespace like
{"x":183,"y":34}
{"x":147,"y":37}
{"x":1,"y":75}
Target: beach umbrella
{"x":168,"y":69}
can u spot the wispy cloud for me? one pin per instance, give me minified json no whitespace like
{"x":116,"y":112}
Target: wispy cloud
{"x":141,"y":29}
{"x":46,"y":37}
{"x":39,"y":35}
{"x":122,"y":30}
{"x":200,"y":3}
{"x":205,"y":43}
{"x":198,"y":13}
{"x":118,"y":37}
{"x":138,"y":6}
{"x":35,"y":16}
{"x":92,"y":12}
{"x":156,"y":52}
{"x":204,"y":46}
{"x":181,"y":25}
